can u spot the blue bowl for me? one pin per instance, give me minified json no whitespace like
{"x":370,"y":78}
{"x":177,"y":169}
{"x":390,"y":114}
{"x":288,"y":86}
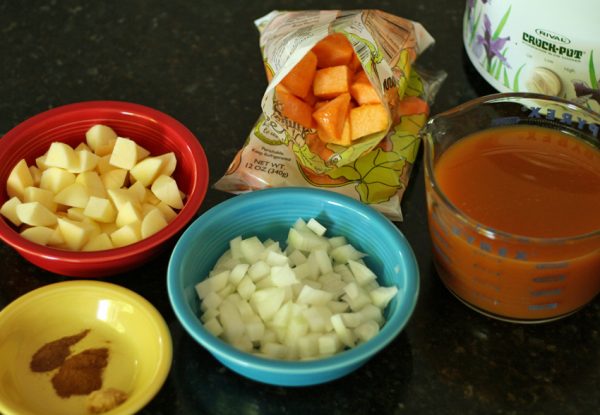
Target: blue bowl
{"x":269,"y":214}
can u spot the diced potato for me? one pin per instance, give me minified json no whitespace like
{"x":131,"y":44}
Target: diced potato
{"x":75,"y":213}
{"x":153,"y":222}
{"x":36,"y":194}
{"x":120,"y":197}
{"x":126,"y":235}
{"x":101,"y":139}
{"x":18,"y":180}
{"x":99,"y":242}
{"x":93,"y":183}
{"x":75,"y":233}
{"x":127,"y":214}
{"x":74,"y":195}
{"x":61,"y":155}
{"x":55,"y":179}
{"x":9,"y":210}
{"x":35,"y":214}
{"x":38,"y":234}
{"x":165,"y":188}
{"x":104,"y":165}
{"x":147,"y":170}
{"x":126,"y":153}
{"x":114,"y":179}
{"x":36,"y":175}
{"x":86,"y":161}
{"x":100,"y":209}
{"x":139,"y":191}
{"x":169,"y":163}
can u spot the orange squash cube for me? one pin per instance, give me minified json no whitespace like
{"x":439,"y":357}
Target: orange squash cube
{"x":333,"y":50}
{"x":368,"y":119}
{"x":300,"y":79}
{"x":363,"y":91}
{"x":331,"y":117}
{"x":294,"y":108}
{"x":331,"y":82}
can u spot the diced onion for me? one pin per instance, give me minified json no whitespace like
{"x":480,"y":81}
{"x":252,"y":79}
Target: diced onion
{"x":312,"y":299}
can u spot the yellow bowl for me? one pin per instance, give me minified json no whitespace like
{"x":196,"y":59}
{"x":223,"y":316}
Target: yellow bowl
{"x":138,"y":339}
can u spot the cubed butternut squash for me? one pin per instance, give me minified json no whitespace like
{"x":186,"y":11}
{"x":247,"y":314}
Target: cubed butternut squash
{"x":300,"y":79}
{"x":368,"y":119}
{"x":294,"y":108}
{"x":333,"y":50}
{"x":332,"y":81}
{"x":331,"y":117}
{"x":363,"y":91}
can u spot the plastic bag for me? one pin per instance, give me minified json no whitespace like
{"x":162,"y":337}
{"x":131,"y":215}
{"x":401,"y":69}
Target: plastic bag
{"x":374,"y":169}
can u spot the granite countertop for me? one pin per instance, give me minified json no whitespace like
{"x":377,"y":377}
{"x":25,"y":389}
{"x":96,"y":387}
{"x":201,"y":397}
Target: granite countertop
{"x":200,"y":62}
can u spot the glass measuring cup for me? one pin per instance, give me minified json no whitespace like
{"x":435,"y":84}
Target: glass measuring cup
{"x":503,"y":274}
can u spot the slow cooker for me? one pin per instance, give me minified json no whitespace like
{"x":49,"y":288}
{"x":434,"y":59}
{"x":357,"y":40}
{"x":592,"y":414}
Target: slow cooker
{"x":545,"y":46}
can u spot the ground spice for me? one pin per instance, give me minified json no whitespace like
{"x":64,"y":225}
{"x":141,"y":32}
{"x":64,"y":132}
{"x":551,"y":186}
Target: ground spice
{"x":53,"y":354}
{"x":81,"y":373}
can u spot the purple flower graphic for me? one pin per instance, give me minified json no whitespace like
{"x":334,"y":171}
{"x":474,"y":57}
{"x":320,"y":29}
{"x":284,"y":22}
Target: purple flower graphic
{"x":492,"y":46}
{"x":583,"y":90}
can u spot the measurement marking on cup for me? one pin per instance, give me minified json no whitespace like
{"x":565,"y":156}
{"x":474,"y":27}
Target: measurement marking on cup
{"x":543,"y":293}
{"x":550,"y":278}
{"x":540,"y":307}
{"x":552,"y":265}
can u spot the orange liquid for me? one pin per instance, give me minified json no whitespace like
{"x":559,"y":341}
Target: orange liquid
{"x":530,"y":182}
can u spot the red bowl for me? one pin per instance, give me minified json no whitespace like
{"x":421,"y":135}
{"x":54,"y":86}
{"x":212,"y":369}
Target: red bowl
{"x":152,"y":129}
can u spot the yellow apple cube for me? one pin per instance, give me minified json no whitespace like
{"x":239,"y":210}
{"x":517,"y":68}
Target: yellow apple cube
{"x":74,"y":195}
{"x":35,"y":214}
{"x":55,"y":179}
{"x":61,"y":155}
{"x":126,"y":235}
{"x":165,"y":188}
{"x":9,"y":210}
{"x":75,"y":233}
{"x":100,"y":209}
{"x":101,"y":139}
{"x":153,"y":222}
{"x":36,"y":194}
{"x":19,"y":179}
{"x":147,"y":170}
{"x":98,"y":243}
{"x":38,"y":234}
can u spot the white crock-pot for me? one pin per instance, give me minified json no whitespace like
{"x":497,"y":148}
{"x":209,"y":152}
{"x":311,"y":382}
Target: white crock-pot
{"x":545,"y":46}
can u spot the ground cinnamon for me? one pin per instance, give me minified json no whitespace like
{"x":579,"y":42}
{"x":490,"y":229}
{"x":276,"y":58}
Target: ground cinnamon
{"x":53,"y":354}
{"x":81,"y":373}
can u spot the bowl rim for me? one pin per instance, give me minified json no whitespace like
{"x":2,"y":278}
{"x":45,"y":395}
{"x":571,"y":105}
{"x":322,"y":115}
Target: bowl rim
{"x":201,"y":179}
{"x":108,"y":290}
{"x":349,"y":357}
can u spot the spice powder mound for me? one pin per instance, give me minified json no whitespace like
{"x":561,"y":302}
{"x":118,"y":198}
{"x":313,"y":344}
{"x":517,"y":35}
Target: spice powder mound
{"x":81,"y":373}
{"x":53,"y":354}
